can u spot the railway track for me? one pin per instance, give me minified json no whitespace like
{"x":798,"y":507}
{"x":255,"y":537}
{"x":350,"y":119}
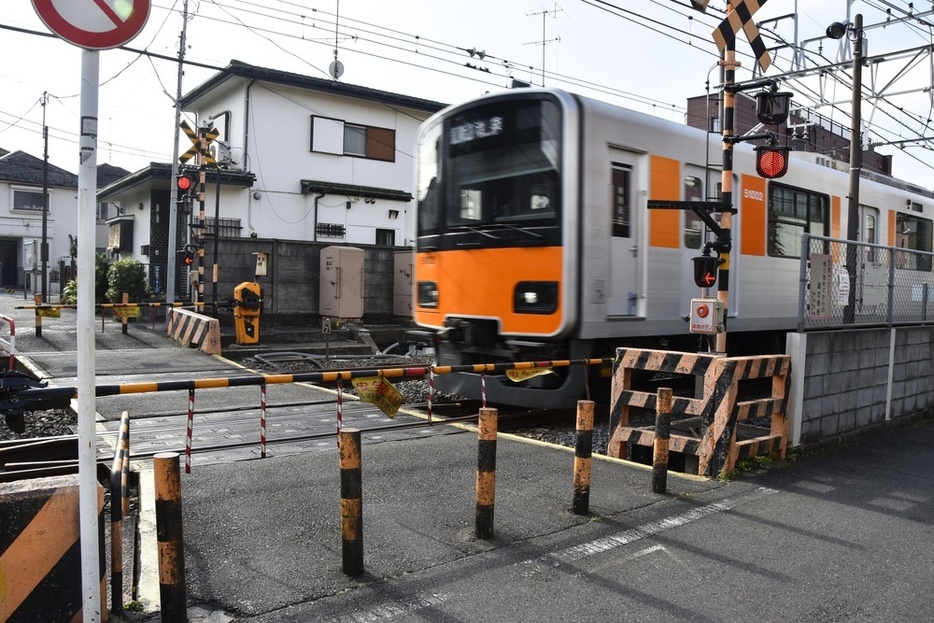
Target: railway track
{"x":232,"y":431}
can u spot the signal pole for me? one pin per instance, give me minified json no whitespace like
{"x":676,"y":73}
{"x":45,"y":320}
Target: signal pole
{"x":726,"y":185}
{"x":171,"y":251}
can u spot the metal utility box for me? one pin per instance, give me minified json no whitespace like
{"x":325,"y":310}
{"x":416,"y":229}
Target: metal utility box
{"x":341,"y":282}
{"x":402,"y":284}
{"x":247,"y":307}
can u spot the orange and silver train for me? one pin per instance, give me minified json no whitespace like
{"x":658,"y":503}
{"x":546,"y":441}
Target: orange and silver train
{"x":535,"y":240}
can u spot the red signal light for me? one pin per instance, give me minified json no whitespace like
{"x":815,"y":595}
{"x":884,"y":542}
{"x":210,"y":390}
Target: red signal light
{"x":771,"y":162}
{"x":184,"y":183}
{"x":705,"y":270}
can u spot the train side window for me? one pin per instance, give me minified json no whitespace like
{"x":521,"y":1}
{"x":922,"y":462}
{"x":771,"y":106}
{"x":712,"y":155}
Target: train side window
{"x":792,"y":213}
{"x":693,"y":226}
{"x":915,"y":234}
{"x":620,"y":176}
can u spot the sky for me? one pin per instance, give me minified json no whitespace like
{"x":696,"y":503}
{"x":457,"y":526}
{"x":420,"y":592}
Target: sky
{"x":649,"y":55}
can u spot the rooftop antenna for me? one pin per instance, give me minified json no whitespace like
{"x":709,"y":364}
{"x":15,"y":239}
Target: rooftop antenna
{"x":544,"y":13}
{"x":337,"y":68}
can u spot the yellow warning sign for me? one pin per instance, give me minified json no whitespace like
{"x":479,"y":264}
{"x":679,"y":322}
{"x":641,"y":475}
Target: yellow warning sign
{"x":49,"y":312}
{"x":379,"y":392}
{"x":126,"y":312}
{"x":521,"y":375}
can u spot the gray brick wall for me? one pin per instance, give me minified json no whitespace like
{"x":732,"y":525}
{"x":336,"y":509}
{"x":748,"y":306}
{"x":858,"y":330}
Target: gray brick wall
{"x":846,"y":379}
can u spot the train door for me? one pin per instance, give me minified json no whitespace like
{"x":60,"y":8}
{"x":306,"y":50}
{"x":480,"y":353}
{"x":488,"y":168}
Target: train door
{"x":625,"y":253}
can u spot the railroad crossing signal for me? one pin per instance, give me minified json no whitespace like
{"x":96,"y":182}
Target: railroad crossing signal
{"x":739,"y":17}
{"x":209,"y":135}
{"x":771,"y":161}
{"x":186,"y":257}
{"x":705,"y":270}
{"x":185,"y":182}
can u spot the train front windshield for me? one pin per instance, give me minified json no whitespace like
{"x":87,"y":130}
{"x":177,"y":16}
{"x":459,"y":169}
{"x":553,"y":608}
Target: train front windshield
{"x":499,"y":171}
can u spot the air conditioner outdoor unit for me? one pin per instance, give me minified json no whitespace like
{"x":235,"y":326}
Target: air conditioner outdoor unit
{"x":220,"y":152}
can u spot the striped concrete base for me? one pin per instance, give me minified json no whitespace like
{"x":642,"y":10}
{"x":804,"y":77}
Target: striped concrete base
{"x":193,"y":329}
{"x":40,"y":550}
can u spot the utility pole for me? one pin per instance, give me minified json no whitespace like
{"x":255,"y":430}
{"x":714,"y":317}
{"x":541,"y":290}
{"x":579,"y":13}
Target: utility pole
{"x":44,"y":251}
{"x":171,"y":258}
{"x":856,"y":164}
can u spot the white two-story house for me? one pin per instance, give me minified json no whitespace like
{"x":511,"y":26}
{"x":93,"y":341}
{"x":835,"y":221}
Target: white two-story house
{"x":298,"y":158}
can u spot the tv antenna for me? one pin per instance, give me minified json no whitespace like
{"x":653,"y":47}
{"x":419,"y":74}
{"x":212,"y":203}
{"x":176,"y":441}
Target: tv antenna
{"x":545,"y":41}
{"x":337,"y":68}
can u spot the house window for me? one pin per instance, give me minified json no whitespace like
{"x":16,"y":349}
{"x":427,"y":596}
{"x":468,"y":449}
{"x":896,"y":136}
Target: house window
{"x":229,"y":227}
{"x":334,"y":136}
{"x":354,"y":140}
{"x":30,"y":200}
{"x":386,"y":237}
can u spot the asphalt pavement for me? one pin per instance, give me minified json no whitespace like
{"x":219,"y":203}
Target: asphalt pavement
{"x":840,"y":534}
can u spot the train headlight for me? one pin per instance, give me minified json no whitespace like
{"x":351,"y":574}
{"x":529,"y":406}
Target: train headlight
{"x":427,"y":294}
{"x":535,"y":297}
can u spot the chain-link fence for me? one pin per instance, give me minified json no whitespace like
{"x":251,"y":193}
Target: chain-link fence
{"x":845,"y":283}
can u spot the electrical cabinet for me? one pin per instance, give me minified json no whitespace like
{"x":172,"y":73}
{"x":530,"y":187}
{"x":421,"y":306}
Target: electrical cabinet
{"x":341,"y":283}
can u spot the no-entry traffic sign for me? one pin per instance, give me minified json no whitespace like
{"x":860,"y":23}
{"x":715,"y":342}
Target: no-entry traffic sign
{"x":94,"y":24}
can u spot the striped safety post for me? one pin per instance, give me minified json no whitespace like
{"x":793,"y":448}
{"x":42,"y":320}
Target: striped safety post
{"x":431,"y":391}
{"x":188,"y":432}
{"x":262,"y":421}
{"x":125,"y":318}
{"x":168,"y":488}
{"x":119,"y":508}
{"x":38,"y":301}
{"x":662,"y":438}
{"x":351,"y":501}
{"x":583,"y":449}
{"x":483,"y":389}
{"x":486,"y":472}
{"x":340,"y":410}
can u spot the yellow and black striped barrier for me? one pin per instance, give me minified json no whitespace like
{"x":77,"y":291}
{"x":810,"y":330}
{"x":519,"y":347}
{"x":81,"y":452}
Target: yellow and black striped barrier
{"x":124,"y":310}
{"x":41,"y":550}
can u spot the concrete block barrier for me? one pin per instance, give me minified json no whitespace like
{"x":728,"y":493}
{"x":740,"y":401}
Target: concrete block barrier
{"x":193,"y":329}
{"x":40,"y":550}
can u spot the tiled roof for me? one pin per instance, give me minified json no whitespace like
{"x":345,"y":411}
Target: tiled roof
{"x":18,"y":167}
{"x":22,"y":168}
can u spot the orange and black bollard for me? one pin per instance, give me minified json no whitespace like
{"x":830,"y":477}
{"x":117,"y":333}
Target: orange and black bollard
{"x":351,"y":501}
{"x":583,"y":449}
{"x":168,"y":485}
{"x":486,"y":472}
{"x":662,"y":438}
{"x":38,"y":301}
{"x":125,"y":316}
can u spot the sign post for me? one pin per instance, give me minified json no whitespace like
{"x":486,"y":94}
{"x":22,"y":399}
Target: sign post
{"x":92,"y":25}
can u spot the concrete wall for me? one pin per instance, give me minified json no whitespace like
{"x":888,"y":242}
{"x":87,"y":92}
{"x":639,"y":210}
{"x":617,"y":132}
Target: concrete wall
{"x":290,"y":286}
{"x":851,"y":380}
